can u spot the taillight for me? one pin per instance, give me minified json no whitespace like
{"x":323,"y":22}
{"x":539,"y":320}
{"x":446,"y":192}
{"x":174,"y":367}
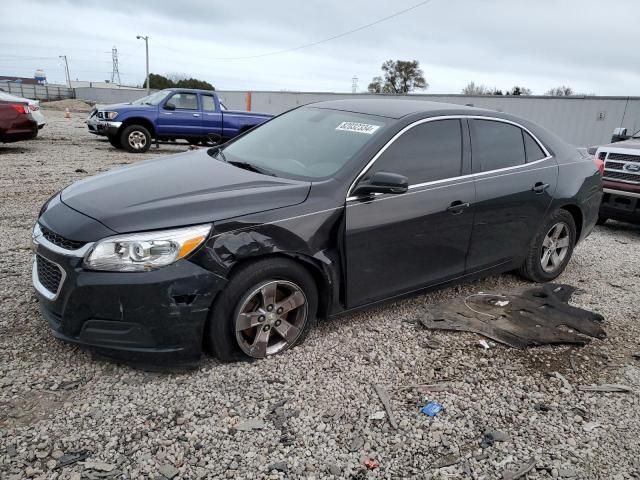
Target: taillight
{"x":600,"y":165}
{"x":20,"y":108}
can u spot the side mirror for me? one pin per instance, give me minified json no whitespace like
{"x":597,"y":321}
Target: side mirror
{"x":383,"y":182}
{"x":619,"y":134}
{"x":169,"y":106}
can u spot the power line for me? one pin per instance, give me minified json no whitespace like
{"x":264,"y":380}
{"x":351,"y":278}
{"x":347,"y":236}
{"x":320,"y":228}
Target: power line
{"x":317,"y":42}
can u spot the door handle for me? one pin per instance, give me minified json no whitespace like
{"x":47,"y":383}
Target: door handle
{"x":540,"y":187}
{"x":196,"y":114}
{"x":168,"y":113}
{"x":457,"y":207}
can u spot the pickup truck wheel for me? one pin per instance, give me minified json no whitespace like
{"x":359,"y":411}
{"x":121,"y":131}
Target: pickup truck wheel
{"x":135,"y":139}
{"x":551,"y":248}
{"x":114,"y":141}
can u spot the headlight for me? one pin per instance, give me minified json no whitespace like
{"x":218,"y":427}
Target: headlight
{"x":109,"y":115}
{"x":140,"y":252}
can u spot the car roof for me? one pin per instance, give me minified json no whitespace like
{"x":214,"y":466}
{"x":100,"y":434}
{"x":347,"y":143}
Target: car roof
{"x":398,"y":107}
{"x":189,"y":90}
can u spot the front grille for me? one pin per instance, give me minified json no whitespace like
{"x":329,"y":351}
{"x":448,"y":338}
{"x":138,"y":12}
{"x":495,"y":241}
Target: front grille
{"x":615,"y":165}
{"x":624,"y":157}
{"x":626,"y":177}
{"x":60,"y":241}
{"x":602,"y":155}
{"x":49,"y":275}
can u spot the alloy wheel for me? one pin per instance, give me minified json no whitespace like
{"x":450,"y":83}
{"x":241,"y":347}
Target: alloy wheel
{"x":271,"y":318}
{"x":137,"y":140}
{"x":555,"y":247}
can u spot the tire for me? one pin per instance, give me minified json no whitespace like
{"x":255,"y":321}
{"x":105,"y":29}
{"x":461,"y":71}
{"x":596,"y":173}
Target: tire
{"x":532,"y":268}
{"x":601,"y":220}
{"x":135,"y":139}
{"x":115,"y":141}
{"x":243,"y":293}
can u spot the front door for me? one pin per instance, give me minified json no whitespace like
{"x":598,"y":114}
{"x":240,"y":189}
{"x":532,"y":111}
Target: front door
{"x":515,"y":183}
{"x":397,"y":243}
{"x":183,"y":121}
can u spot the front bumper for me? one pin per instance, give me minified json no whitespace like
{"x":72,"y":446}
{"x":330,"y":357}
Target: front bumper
{"x":102,"y":127}
{"x":147,"y":318}
{"x":620,"y":204}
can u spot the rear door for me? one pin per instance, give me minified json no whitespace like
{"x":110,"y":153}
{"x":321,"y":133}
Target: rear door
{"x":211,"y":114}
{"x":399,"y":243}
{"x":515,"y":183}
{"x":183,"y":122}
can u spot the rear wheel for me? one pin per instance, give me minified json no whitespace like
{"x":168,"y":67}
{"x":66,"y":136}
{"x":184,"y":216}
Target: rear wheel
{"x":135,"y":139}
{"x":551,"y":248}
{"x":267,"y":307}
{"x":114,"y":141}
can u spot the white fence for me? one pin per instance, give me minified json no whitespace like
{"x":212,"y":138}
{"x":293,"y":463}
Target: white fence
{"x":37,"y":92}
{"x":581,"y":121}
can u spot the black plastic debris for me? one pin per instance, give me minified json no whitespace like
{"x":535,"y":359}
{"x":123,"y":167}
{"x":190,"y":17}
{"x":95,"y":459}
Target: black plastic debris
{"x":534,"y":316}
{"x":70,"y":458}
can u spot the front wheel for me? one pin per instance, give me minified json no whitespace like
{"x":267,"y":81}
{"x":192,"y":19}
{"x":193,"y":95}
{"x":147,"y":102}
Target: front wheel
{"x":551,"y":249}
{"x":266,"y":308}
{"x":135,"y":139}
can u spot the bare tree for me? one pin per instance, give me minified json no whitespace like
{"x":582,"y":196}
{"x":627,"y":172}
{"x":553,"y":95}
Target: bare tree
{"x":473,"y":89}
{"x":518,"y":90}
{"x":400,"y":76}
{"x":562,"y":91}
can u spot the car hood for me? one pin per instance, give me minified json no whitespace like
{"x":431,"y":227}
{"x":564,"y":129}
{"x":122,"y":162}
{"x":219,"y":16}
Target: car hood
{"x":631,"y":144}
{"x":124,"y":106}
{"x":182,"y":189}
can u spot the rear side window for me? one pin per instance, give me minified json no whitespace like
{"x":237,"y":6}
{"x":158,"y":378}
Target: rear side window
{"x":208,"y":104}
{"x":427,"y":152}
{"x":534,"y":152}
{"x":496,"y":145}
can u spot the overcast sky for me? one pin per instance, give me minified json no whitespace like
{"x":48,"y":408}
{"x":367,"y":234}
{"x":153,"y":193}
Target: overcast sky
{"x":590,"y":45}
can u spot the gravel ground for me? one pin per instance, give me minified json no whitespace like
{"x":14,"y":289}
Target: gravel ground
{"x":305,"y":414}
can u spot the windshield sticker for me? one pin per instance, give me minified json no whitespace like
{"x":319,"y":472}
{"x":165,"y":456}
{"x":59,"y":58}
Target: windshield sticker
{"x":358,"y":127}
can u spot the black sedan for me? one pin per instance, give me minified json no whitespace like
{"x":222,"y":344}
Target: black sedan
{"x":328,"y":208}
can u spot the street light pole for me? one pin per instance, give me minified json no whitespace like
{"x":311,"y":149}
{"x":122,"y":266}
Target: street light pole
{"x":146,"y":44}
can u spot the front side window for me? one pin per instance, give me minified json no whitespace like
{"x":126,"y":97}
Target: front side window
{"x":185,"y":101}
{"x":496,"y":145}
{"x":427,"y":152}
{"x":307,"y":142}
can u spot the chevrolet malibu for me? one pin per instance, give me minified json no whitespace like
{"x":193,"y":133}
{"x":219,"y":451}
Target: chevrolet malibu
{"x":332,"y":207}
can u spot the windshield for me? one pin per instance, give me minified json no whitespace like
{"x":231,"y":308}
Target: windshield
{"x":307,"y":142}
{"x":153,"y":99}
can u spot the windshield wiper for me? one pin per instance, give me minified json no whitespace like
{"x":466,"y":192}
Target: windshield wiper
{"x":252,"y":167}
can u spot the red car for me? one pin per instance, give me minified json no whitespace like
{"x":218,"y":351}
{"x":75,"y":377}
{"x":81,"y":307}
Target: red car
{"x":16,"y":122}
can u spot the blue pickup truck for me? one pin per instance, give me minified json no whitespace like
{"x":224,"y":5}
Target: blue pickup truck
{"x":169,"y":115}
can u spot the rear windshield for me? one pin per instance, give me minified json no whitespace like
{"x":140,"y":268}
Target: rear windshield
{"x":308,"y":142}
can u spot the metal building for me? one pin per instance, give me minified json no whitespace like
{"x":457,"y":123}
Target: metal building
{"x":582,"y":121}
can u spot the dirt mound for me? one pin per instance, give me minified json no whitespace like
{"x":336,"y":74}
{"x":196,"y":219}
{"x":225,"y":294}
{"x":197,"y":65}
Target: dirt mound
{"x":72,"y":104}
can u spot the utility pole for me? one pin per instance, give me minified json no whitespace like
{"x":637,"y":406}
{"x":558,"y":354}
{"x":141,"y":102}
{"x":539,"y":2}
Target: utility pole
{"x":115,"y":73}
{"x":66,"y":70}
{"x":146,"y":44}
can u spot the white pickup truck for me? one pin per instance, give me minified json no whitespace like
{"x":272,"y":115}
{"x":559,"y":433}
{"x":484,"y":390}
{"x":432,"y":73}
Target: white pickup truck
{"x":621,"y":179}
